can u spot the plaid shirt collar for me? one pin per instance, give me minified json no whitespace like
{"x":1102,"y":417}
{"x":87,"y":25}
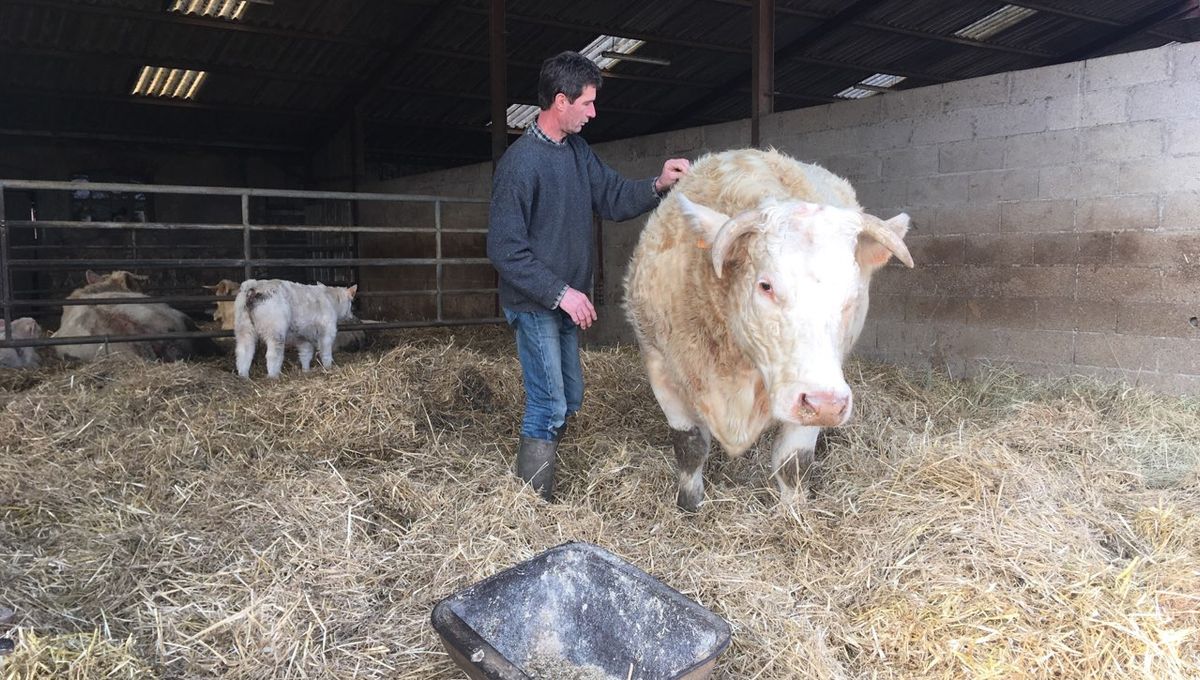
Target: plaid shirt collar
{"x":536,"y":131}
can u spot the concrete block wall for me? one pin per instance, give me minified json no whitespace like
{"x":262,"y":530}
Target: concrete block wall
{"x":1056,"y":214}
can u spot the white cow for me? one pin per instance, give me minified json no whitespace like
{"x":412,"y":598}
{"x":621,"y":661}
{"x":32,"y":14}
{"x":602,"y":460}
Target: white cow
{"x":346,"y":341}
{"x":288,"y":313}
{"x":21,"y":357}
{"x":126,"y":319}
{"x":747,"y":289}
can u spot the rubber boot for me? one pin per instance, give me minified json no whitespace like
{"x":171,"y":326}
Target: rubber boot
{"x":535,"y":464}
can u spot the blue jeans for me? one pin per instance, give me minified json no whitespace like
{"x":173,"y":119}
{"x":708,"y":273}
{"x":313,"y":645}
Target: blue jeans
{"x":548,"y":347}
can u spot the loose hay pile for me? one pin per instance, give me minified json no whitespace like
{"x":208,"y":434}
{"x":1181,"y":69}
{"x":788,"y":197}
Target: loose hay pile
{"x":304,"y":528}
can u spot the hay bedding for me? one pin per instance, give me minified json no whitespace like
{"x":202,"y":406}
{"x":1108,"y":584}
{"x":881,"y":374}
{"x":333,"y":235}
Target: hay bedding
{"x":174,"y":521}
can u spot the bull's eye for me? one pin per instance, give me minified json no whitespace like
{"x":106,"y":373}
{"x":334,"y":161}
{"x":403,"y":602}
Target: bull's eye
{"x":764,"y":286}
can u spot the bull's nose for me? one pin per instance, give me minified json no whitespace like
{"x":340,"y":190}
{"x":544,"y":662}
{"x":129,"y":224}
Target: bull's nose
{"x":823,"y":406}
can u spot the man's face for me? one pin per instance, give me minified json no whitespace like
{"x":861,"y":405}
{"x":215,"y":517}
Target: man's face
{"x":576,"y":114}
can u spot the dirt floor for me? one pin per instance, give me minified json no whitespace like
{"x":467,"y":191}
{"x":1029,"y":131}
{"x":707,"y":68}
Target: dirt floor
{"x":175,"y":521}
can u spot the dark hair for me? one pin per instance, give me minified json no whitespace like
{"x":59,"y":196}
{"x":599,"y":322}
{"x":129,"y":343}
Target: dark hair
{"x":569,"y":73}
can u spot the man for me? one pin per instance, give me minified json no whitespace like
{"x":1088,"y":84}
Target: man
{"x":547,"y":185}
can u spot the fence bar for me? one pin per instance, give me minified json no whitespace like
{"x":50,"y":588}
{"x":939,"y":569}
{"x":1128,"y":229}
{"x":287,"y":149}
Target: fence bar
{"x":114,"y":339}
{"x":234,"y":263}
{"x":198,"y":226}
{"x":225,"y":191}
{"x":5,"y":278}
{"x":437,"y":225}
{"x":246,"y":236}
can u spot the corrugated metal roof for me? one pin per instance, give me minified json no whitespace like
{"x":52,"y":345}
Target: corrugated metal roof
{"x":286,"y":74}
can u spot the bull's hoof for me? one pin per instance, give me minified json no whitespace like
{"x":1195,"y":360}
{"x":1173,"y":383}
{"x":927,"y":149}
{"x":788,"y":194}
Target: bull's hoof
{"x":689,"y":502}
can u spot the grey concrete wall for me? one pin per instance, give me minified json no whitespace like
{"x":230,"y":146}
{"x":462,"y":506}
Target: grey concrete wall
{"x":1056,"y":214}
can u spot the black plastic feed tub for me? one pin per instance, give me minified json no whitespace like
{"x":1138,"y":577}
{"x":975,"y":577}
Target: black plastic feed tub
{"x":578,"y":611}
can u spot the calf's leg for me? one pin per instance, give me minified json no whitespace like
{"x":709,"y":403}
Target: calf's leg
{"x":274,"y":356}
{"x":245,"y":351}
{"x":305,"y":349}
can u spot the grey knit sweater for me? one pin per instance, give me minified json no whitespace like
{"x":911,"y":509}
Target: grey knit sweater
{"x":540,"y":227}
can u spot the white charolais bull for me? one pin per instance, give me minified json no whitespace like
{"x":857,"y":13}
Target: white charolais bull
{"x":288,"y":313}
{"x":747,"y":290}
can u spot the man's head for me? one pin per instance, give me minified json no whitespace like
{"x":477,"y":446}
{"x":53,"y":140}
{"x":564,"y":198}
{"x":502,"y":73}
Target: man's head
{"x":567,"y":94}
{"x":566,"y":73}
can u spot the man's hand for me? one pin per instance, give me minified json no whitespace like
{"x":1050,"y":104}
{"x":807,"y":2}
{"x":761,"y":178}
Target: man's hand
{"x":578,"y":307}
{"x":671,"y":172}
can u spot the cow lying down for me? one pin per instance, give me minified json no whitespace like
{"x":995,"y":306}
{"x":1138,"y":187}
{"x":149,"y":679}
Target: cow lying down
{"x":747,"y":289}
{"x":346,"y":341}
{"x":126,"y":319}
{"x":288,"y":313}
{"x":21,"y":357}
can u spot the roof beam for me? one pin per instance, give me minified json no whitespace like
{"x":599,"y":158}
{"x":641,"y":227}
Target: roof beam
{"x":762,"y":71}
{"x":383,"y":69}
{"x":177,"y":19}
{"x":121,"y":138}
{"x":136,"y":61}
{"x":796,"y":47}
{"x":913,"y":33}
{"x":1080,"y":16}
{"x":159,"y":101}
{"x":1097,"y":46}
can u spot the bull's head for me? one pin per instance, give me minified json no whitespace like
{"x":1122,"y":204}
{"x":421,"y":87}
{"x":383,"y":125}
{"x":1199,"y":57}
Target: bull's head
{"x":797,"y":277}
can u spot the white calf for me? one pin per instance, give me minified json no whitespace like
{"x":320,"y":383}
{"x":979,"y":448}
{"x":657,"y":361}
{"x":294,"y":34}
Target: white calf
{"x":288,"y":313}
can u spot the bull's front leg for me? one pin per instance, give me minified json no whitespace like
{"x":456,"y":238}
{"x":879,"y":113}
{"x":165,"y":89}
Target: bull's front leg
{"x":791,"y":461}
{"x":691,"y":452}
{"x":304,"y":349}
{"x":690,"y":439}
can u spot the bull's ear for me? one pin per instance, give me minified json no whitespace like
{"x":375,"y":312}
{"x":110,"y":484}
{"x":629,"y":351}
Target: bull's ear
{"x":881,"y":239}
{"x":134,"y":281}
{"x":216,"y":289}
{"x":704,"y":221}
{"x":351,"y":291}
{"x":91,"y":276}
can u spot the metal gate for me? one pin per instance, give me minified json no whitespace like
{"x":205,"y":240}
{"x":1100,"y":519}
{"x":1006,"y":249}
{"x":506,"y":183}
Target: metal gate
{"x":317,"y":238}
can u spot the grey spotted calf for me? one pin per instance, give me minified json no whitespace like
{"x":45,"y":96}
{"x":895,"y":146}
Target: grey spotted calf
{"x":285,"y":313}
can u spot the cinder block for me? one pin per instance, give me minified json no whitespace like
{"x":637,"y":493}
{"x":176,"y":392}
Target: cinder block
{"x":1042,"y":149}
{"x":967,"y":218}
{"x":856,"y":112}
{"x":1081,"y":315}
{"x":893,"y":134}
{"x":935,"y":250}
{"x":951,"y":127}
{"x":937,"y":190}
{"x":1152,"y":248}
{"x":1064,"y":112}
{"x":1079,"y":181}
{"x":1095,"y":248}
{"x":971,"y":154}
{"x":1181,"y":210}
{"x":1135,"y":211}
{"x":919,"y":102}
{"x":998,"y":249}
{"x":935,"y":310}
{"x":795,"y":121}
{"x":1167,"y":100}
{"x":1147,"y":175}
{"x":1183,"y":137}
{"x":1105,"y":107}
{"x":978,"y":281}
{"x":1011,"y":119}
{"x":1002,"y":313}
{"x":1136,"y":352}
{"x":1181,"y":285}
{"x":1016,"y":345}
{"x":1055,"y":215}
{"x":876,"y":195}
{"x":857,"y":167}
{"x":907,"y":163}
{"x":734,"y":135}
{"x":1123,"y":141}
{"x":1048,"y":81}
{"x":1185,"y":62}
{"x":1125,"y":70}
{"x":976,"y":92}
{"x":886,"y":307}
{"x":1003,"y":185}
{"x":1119,"y":282}
{"x":1158,"y":319}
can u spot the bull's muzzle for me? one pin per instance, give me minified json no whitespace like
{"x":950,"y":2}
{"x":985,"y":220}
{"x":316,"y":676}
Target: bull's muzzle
{"x":824,"y":408}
